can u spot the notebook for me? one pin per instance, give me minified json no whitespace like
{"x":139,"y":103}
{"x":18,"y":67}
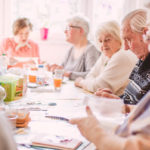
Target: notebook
{"x":57,"y":142}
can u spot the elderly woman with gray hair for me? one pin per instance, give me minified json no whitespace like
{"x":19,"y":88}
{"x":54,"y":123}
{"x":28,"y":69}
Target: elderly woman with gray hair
{"x":83,"y":54}
{"x":114,"y":66}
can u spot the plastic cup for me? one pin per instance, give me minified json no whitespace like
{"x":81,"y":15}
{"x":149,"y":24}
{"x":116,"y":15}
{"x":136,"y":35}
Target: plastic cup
{"x":57,"y":79}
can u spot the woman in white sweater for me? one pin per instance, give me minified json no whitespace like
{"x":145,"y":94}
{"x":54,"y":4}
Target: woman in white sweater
{"x":114,"y":66}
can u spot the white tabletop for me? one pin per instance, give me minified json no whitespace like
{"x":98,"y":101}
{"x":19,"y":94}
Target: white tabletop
{"x":69,"y":103}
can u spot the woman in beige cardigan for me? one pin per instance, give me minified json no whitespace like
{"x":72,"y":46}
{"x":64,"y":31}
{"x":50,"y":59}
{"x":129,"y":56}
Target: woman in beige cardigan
{"x":114,"y":66}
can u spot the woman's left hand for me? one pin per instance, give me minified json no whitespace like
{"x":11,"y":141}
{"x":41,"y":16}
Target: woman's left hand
{"x":77,"y":82}
{"x":105,"y":92}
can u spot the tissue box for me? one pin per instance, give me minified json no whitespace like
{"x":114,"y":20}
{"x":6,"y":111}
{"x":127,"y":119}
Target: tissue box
{"x":14,"y":85}
{"x":21,"y":87}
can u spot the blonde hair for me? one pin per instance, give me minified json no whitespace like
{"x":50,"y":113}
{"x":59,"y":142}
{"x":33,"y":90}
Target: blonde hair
{"x":80,"y":21}
{"x":110,"y":27}
{"x":137,"y":20}
{"x":20,"y":24}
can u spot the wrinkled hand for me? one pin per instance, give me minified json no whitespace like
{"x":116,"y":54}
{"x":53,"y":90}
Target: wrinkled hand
{"x":105,"y":92}
{"x":67,"y":74}
{"x":77,"y":82}
{"x":53,"y":67}
{"x":100,"y":90}
{"x":89,"y":126}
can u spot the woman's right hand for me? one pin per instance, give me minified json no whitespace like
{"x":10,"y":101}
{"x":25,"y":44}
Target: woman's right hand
{"x":53,"y":67}
{"x":12,"y":61}
{"x":77,"y":82}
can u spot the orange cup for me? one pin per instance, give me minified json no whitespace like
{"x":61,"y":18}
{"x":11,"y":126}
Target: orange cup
{"x":57,"y":83}
{"x":32,"y":78}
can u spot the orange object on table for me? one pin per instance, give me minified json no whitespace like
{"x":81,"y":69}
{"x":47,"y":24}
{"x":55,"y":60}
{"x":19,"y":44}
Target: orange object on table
{"x":32,"y":78}
{"x":57,"y":82}
{"x":22,"y":121}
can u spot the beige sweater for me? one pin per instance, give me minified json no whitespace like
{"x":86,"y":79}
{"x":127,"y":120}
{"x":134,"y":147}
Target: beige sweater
{"x":111,"y":73}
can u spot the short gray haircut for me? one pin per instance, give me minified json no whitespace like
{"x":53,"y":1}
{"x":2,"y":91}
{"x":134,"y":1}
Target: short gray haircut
{"x":137,"y":20}
{"x":110,"y":27}
{"x":80,"y":21}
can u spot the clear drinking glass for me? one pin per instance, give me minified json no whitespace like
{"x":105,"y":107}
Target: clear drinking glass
{"x":57,"y":79}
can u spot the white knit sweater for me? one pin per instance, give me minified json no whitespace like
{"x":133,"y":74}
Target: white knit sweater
{"x":111,"y":73}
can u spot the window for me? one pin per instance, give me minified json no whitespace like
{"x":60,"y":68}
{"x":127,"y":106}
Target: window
{"x":45,"y":13}
{"x":105,"y":10}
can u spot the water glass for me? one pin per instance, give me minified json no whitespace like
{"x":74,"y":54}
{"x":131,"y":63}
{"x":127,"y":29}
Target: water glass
{"x":57,"y":79}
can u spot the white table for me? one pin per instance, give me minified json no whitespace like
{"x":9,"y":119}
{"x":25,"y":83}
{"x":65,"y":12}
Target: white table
{"x":69,"y":103}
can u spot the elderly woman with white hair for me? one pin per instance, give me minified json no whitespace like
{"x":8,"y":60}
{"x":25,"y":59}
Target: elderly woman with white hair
{"x":114,"y":66}
{"x":83,"y":54}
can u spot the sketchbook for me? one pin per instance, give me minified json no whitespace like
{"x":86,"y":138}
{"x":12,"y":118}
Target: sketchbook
{"x":57,"y":142}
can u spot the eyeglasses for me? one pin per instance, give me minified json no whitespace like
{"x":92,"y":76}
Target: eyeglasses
{"x":69,"y":27}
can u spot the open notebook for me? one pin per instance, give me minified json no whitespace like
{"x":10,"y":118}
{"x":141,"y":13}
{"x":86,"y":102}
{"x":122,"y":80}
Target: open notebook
{"x":57,"y":142}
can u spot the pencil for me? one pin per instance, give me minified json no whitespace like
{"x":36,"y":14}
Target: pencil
{"x":57,"y":118}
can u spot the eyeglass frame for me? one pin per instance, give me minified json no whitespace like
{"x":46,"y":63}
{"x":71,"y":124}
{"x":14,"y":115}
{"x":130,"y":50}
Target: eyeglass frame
{"x":68,"y":27}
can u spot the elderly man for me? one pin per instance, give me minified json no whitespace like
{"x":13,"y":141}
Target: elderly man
{"x":133,"y":30}
{"x":134,"y":133}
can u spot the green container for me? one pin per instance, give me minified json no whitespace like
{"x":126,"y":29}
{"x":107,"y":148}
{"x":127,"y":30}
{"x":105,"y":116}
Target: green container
{"x":9,"y":83}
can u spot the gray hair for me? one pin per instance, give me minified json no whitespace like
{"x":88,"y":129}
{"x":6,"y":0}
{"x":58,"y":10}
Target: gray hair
{"x":110,"y":27}
{"x":80,"y":21}
{"x":137,"y":20}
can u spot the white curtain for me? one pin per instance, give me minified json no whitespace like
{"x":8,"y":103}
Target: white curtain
{"x":130,"y":5}
{"x":5,"y":18}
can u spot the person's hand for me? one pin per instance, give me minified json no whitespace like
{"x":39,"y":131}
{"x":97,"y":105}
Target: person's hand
{"x":105,"y":92}
{"x":67,"y":74}
{"x":89,"y":126}
{"x":53,"y":67}
{"x":77,"y":82}
{"x":12,"y":61}
{"x":100,"y":90}
{"x":126,"y":109}
{"x":31,"y":62}
{"x":15,"y":63}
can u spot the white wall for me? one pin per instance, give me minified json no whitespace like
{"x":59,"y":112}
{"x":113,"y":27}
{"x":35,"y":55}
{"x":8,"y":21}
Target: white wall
{"x":54,"y":49}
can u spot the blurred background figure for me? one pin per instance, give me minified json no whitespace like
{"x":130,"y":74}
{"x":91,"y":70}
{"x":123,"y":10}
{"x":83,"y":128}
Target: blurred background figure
{"x":20,"y":45}
{"x":6,"y":138}
{"x":114,"y":66}
{"x":83,"y":54}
